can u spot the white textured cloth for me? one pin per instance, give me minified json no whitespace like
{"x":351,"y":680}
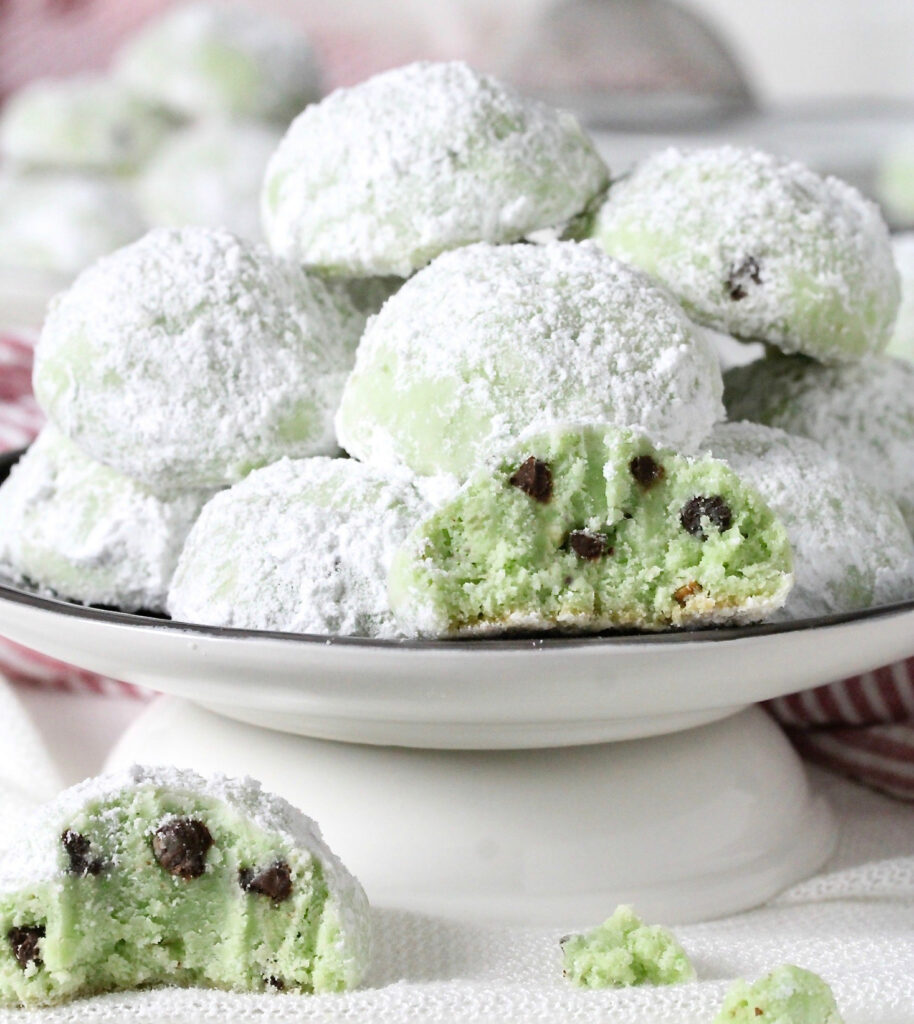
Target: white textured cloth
{"x":853,"y":924}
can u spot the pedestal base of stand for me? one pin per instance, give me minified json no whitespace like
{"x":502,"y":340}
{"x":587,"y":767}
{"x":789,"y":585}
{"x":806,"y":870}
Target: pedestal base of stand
{"x":687,"y":826}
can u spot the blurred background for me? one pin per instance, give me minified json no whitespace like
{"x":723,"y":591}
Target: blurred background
{"x":788,"y":49}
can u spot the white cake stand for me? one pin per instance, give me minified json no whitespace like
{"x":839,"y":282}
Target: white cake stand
{"x":538,"y":781}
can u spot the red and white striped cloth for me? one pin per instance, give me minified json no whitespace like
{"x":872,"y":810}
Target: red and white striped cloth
{"x":862,"y":727}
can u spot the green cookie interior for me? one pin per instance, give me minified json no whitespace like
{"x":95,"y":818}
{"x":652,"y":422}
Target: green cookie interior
{"x":259,"y":916}
{"x":788,"y":995}
{"x":589,"y":528}
{"x":624,"y":951}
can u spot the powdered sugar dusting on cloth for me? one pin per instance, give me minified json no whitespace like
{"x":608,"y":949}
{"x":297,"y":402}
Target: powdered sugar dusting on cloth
{"x":192,"y":356}
{"x":222,"y":59}
{"x":862,"y":413}
{"x":301,"y":546}
{"x":851,"y":546}
{"x":759,"y":248}
{"x":491,"y":340}
{"x":382,"y":177}
{"x":77,"y":529}
{"x":39,"y":857}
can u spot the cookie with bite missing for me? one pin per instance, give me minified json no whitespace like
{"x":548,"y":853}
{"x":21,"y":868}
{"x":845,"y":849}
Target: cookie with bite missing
{"x":157,"y":876}
{"x":759,"y":248}
{"x":586,"y":528}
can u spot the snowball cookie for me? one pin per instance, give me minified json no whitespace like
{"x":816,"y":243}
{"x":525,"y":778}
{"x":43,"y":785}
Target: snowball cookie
{"x":894,"y":184}
{"x":210,"y":174}
{"x":788,"y":995}
{"x":303,"y":546}
{"x":152,"y":876}
{"x":191,"y":357}
{"x":82,"y":531}
{"x":85,"y":123}
{"x":624,"y":951}
{"x":851,"y":546}
{"x":60,"y":223}
{"x":863,"y":413}
{"x":204,"y":59}
{"x":490,"y":340}
{"x":381,"y":178}
{"x":585,"y":528}
{"x":759,"y":248}
{"x":901,"y":343}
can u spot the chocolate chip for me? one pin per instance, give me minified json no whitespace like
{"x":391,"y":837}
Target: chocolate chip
{"x":588,"y":545}
{"x":277,"y":983}
{"x":682,"y":594}
{"x":646,"y":470}
{"x":181,"y":846}
{"x":534,"y":478}
{"x":739,"y":276}
{"x":274,"y":881}
{"x":697,"y":508}
{"x":78,"y":847}
{"x":759,"y":1011}
{"x":24,"y":942}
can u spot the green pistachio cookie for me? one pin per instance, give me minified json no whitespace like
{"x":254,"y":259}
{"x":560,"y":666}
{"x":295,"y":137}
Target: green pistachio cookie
{"x":381,"y":178}
{"x":788,"y":995}
{"x":759,"y":248}
{"x":192,"y":356}
{"x":585,"y":528}
{"x":76,"y":528}
{"x":156,"y":876}
{"x":850,"y":543}
{"x":901,"y":343}
{"x":85,"y":123}
{"x":209,"y":174}
{"x":302,"y":546}
{"x":625,"y":951}
{"x":203,"y":59}
{"x":59,"y":223}
{"x":862,"y":413}
{"x":489,"y":340}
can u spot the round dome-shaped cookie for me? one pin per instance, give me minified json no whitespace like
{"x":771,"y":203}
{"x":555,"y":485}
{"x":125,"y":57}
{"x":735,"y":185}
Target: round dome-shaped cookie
{"x":86,"y":123}
{"x":759,"y":248}
{"x":851,"y":546}
{"x":381,"y":178}
{"x":901,"y":343}
{"x":76,"y":528}
{"x":60,"y":223}
{"x":302,"y":546}
{"x":192,"y":356}
{"x":491,"y":340}
{"x":210,"y":174}
{"x":203,"y":59}
{"x":157,"y":876}
{"x":863,"y":413}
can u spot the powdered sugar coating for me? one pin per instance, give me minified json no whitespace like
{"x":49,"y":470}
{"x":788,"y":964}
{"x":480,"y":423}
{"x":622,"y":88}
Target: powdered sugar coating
{"x":302,"y":546}
{"x":210,"y":174}
{"x":192,"y":356}
{"x":203,"y":59}
{"x":381,"y":178}
{"x":82,"y":531}
{"x":862,"y":413}
{"x":851,"y":546}
{"x":491,"y":340}
{"x":60,"y":223}
{"x":38,"y":858}
{"x":902,"y":340}
{"x":760,"y":248}
{"x":82,"y":123}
